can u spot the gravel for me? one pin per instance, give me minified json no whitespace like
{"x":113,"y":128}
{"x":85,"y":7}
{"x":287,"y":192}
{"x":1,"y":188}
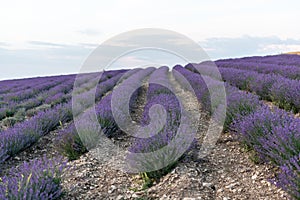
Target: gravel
{"x":226,"y":173}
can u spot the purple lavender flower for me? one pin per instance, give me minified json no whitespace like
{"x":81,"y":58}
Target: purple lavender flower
{"x":284,"y":92}
{"x":289,"y":177}
{"x":37,"y":179}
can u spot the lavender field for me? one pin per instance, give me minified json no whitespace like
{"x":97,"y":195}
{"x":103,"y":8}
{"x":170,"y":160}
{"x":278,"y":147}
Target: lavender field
{"x":40,"y":146}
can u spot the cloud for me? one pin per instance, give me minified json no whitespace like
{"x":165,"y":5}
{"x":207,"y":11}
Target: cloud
{"x":147,"y":57}
{"x":46,"y":44}
{"x":19,"y":63}
{"x":89,"y":45}
{"x":45,"y":58}
{"x":48,"y":58}
{"x":280,"y":47}
{"x":3,"y":44}
{"x":248,"y":46}
{"x":90,"y":32}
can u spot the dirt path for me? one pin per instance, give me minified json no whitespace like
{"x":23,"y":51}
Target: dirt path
{"x":92,"y":178}
{"x":237,"y":177}
{"x":97,"y":180}
{"x":229,"y":173}
{"x":226,"y":173}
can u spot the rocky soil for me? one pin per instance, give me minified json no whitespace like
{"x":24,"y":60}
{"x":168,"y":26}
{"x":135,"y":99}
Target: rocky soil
{"x":228,"y":172}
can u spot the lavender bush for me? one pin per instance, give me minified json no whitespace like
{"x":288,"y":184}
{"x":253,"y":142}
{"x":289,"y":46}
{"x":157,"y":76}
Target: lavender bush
{"x":239,"y":103}
{"x":69,"y":142}
{"x":289,"y":177}
{"x":105,"y":116}
{"x":286,"y":94}
{"x":26,"y":133}
{"x":157,"y":94}
{"x":39,"y":96}
{"x":282,"y":91}
{"x":291,"y":72}
{"x":104,"y":110}
{"x":274,"y":134}
{"x":37,"y":179}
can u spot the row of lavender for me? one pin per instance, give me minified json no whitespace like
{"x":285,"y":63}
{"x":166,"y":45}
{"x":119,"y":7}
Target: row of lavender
{"x":104,"y":109}
{"x":48,"y":91}
{"x":273,"y":133}
{"x":282,"y":60}
{"x":26,"y":133}
{"x":291,"y":72}
{"x":38,"y":86}
{"x":158,"y":93}
{"x":84,"y":134}
{"x":282,"y":91}
{"x":155,"y":131}
{"x":153,"y":153}
{"x":17,"y":85}
{"x":46,"y":99}
{"x":59,"y":94}
{"x":13,"y":86}
{"x":240,"y":106}
{"x":40,"y":179}
{"x":11,"y":102}
{"x":73,"y":144}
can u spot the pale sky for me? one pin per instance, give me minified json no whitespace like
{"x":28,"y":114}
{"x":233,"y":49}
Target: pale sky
{"x":55,"y":37}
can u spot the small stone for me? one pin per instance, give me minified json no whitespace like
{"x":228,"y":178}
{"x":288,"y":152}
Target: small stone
{"x":206,"y":184}
{"x":230,"y":186}
{"x":17,"y":158}
{"x":209,"y":185}
{"x":254,"y":177}
{"x":120,"y":197}
{"x":112,"y":189}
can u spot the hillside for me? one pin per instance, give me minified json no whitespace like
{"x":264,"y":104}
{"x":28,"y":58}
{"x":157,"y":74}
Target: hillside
{"x":51,"y":145}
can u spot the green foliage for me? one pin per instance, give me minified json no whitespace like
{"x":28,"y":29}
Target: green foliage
{"x":34,"y":111}
{"x":10,"y":112}
{"x":71,"y":146}
{"x":109,"y":127}
{"x":20,"y":114}
{"x":150,"y":177}
{"x":9,"y":121}
{"x":251,"y":152}
{"x":245,"y":85}
{"x":147,"y":182}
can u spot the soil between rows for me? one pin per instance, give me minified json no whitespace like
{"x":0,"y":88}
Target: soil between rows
{"x":226,"y":173}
